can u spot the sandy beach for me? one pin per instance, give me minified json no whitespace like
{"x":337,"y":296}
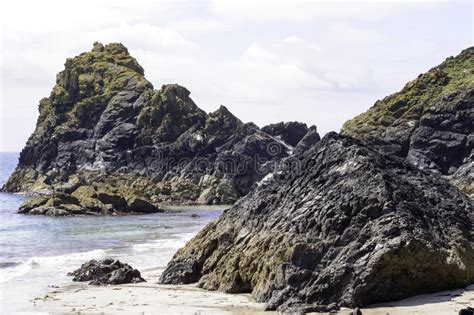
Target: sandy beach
{"x":148,"y":297}
{"x":152,"y":298}
{"x":446,"y":302}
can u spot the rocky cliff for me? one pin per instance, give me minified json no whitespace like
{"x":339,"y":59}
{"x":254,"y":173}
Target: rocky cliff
{"x":104,"y":129}
{"x":340,"y":225}
{"x":429,"y":122}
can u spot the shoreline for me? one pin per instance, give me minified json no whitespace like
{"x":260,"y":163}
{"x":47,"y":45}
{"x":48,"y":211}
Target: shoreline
{"x":38,"y":265}
{"x":150,"y":297}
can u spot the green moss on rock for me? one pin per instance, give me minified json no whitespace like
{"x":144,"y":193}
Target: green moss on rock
{"x":408,"y":104}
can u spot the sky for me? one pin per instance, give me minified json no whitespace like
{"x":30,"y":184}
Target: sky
{"x":318,"y":62}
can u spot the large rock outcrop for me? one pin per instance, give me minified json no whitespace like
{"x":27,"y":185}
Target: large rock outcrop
{"x":105,"y":127}
{"x":429,"y":122}
{"x":340,"y":225}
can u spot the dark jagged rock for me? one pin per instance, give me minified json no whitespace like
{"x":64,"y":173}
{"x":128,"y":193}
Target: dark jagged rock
{"x":106,"y":271}
{"x":467,"y":311}
{"x":429,"y":122}
{"x":290,"y":132}
{"x":310,"y":138}
{"x":104,"y":124}
{"x":341,"y":225}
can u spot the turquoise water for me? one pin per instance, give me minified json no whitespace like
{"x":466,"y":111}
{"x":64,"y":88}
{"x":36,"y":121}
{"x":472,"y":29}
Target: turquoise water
{"x":36,"y":252}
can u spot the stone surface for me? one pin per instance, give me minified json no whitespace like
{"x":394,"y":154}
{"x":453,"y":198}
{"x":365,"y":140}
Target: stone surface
{"x":429,"y":122}
{"x":290,"y":132}
{"x":88,"y":200}
{"x":31,"y":204}
{"x":103,"y":123}
{"x":309,"y":139}
{"x":137,"y":204}
{"x":340,"y":225}
{"x":106,"y":271}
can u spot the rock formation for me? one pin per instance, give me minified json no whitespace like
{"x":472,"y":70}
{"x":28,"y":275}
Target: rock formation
{"x":295,"y":134}
{"x":340,"y":225}
{"x":85,"y":200}
{"x":106,"y":271}
{"x":290,"y":132}
{"x":104,"y":128}
{"x":429,"y":122}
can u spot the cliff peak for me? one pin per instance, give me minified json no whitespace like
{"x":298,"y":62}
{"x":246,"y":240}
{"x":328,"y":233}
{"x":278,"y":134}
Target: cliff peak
{"x":223,"y":111}
{"x":104,"y":127}
{"x":175,"y":90}
{"x":222,"y":121}
{"x":113,"y":54}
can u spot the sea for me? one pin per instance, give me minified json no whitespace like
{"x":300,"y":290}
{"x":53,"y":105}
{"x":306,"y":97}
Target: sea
{"x":37,"y":252}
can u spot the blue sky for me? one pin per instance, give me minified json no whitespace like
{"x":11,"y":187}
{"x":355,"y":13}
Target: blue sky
{"x":320,"y":62}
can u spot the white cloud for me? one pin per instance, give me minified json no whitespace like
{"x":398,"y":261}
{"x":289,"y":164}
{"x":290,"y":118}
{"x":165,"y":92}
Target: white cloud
{"x":142,"y":36}
{"x":256,"y":54}
{"x":294,"y":40}
{"x":57,"y":15}
{"x":303,"y":11}
{"x":198,"y":26}
{"x":350,"y":33}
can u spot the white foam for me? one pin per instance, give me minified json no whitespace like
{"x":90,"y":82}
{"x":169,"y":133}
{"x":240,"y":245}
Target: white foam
{"x":24,"y":267}
{"x":158,"y":244}
{"x":174,"y":243}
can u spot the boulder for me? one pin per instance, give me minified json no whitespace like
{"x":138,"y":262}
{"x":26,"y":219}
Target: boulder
{"x":118,"y":202}
{"x":341,"y":225}
{"x":87,"y":196}
{"x":106,"y":271}
{"x":32,"y":203}
{"x":137,"y":204}
{"x":59,"y":199}
{"x":74,"y":209}
{"x":41,"y":210}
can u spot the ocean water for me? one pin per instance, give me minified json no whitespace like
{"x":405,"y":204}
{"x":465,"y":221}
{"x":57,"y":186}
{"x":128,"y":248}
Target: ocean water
{"x":37,"y":252}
